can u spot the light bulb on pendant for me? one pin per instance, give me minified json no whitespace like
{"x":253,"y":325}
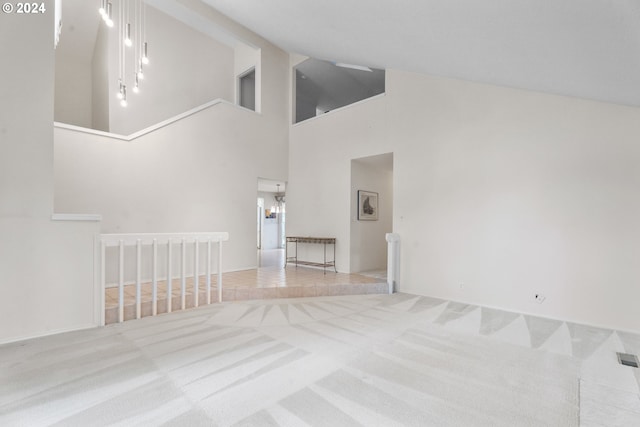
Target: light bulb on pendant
{"x":120,"y":94}
{"x":140,"y":72}
{"x":127,"y":37}
{"x":136,"y":87}
{"x":123,"y":102}
{"x":108,"y":19}
{"x":145,"y":57}
{"x":102,"y":11}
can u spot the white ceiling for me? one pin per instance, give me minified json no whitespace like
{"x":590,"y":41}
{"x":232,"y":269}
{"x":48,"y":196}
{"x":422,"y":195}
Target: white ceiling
{"x":582,"y":48}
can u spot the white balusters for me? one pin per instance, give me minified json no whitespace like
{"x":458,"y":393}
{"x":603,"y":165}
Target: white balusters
{"x":143,"y":270}
{"x":154,"y":279}
{"x":138,"y":278}
{"x":103,"y":277}
{"x":196,"y":276}
{"x":220,"y":270}
{"x":183,"y":274}
{"x":121,"y":282}
{"x":169,"y":277}
{"x":209,"y":271}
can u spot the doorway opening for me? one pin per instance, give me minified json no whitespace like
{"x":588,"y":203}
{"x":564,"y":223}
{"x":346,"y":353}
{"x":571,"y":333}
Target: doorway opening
{"x":371,"y":213}
{"x":271,"y":222}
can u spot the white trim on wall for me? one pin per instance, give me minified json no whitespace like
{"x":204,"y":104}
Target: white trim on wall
{"x":48,"y":333}
{"x":150,"y":128}
{"x":328,"y":113}
{"x":75,"y":217}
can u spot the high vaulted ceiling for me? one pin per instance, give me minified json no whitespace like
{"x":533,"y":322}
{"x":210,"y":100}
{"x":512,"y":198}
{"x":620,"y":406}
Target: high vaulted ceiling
{"x":583,"y":48}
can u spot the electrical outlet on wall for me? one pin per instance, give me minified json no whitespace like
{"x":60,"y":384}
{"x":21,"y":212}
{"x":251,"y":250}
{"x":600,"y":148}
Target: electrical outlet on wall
{"x":540,"y":298}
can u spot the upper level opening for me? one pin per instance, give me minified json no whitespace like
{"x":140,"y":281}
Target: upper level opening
{"x":247,"y":89}
{"x":321,"y":86}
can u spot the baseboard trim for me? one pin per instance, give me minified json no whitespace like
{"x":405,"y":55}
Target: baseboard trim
{"x":12,"y":340}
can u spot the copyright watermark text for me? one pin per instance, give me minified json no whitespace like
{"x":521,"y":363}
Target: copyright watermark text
{"x":24,"y":8}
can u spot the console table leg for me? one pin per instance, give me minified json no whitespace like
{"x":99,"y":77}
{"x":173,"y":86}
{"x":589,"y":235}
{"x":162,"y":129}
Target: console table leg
{"x":324,"y":264}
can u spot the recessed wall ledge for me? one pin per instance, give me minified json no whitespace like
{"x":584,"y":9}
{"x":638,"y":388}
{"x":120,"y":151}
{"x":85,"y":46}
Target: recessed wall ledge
{"x":153,"y":127}
{"x":75,"y":217}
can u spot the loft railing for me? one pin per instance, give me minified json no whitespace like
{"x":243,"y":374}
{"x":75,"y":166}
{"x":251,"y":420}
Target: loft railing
{"x":154,"y":241}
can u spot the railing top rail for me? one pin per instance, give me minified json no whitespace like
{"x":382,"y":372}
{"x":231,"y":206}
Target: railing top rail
{"x":132,"y":238}
{"x":151,"y":128}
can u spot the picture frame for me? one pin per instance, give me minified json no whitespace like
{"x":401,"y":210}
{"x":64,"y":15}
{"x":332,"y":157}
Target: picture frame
{"x":367,"y":206}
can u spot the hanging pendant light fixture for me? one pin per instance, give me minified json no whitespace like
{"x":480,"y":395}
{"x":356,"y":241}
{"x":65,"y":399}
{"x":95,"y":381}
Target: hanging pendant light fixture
{"x":123,"y":101}
{"x":127,"y":37}
{"x":131,"y":27}
{"x":108,"y":17}
{"x":145,"y":57}
{"x":136,"y":85}
{"x":120,"y":93}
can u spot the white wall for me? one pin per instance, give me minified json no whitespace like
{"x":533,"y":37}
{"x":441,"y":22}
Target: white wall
{"x":197,"y":174}
{"x":508,"y":192}
{"x":246,"y":58}
{"x":100,"y":82}
{"x":73,"y":90}
{"x":319,"y":186}
{"x":368,"y":248}
{"x":186,"y":69}
{"x":46,"y":279}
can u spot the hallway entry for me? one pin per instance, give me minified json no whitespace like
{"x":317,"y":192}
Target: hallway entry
{"x":371,"y":212}
{"x":270,"y":219}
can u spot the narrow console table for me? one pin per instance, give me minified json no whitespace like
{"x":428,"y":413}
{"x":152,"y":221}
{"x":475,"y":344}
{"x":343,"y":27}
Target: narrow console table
{"x":315,"y":240}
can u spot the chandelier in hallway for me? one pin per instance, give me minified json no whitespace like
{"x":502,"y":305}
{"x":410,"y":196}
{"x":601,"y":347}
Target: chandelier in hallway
{"x":132,"y":42}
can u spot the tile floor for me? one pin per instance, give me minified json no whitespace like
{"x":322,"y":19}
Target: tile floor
{"x":268,"y":281}
{"x":371,"y":360}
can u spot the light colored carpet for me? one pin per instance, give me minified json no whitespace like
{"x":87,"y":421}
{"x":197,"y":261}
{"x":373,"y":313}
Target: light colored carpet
{"x":335,"y":361}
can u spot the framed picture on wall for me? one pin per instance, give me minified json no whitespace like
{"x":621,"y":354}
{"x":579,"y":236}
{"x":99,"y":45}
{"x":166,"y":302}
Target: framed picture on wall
{"x":367,"y":206}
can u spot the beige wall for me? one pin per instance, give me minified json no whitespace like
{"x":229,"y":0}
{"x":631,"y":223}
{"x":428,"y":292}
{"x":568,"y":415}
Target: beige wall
{"x":508,"y":192}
